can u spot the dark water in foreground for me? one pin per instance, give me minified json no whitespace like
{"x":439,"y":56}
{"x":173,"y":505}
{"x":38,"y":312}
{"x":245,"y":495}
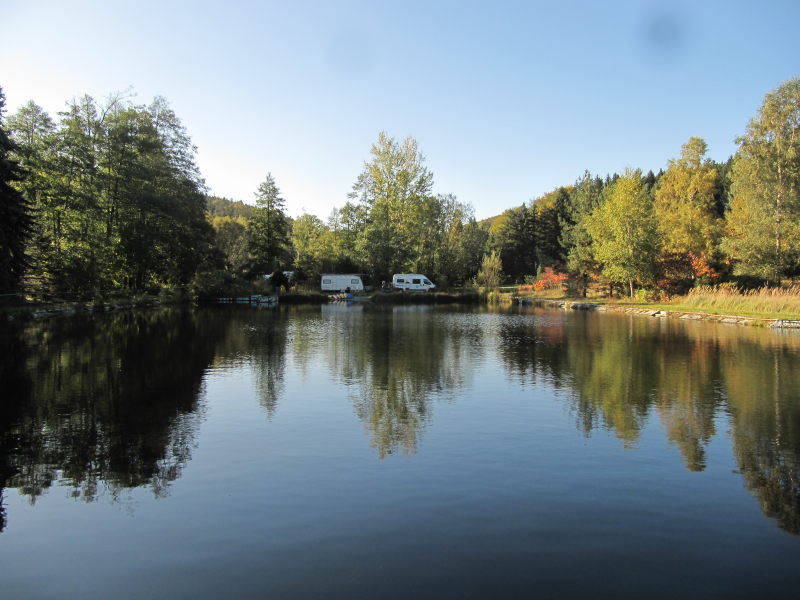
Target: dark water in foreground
{"x":340,"y":452}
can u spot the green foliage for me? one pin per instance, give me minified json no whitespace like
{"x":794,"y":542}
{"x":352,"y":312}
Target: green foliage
{"x":230,"y":238}
{"x":392,"y":188}
{"x":397,"y":225}
{"x":312,"y":245}
{"x":222,"y":207}
{"x":490,"y":274}
{"x":623,"y":232}
{"x":764,"y":220}
{"x":527,"y":237}
{"x":15,"y":215}
{"x":685,"y":203}
{"x":550,"y":215}
{"x":118,"y":204}
{"x":268,"y":229}
{"x":584,"y":197}
{"x":513,"y":238}
{"x":118,"y":198}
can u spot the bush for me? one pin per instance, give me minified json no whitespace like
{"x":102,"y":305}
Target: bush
{"x":550,"y":280}
{"x":491,"y":272}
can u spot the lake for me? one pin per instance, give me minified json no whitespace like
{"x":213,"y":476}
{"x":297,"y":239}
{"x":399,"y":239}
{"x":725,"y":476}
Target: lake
{"x":406,"y":452}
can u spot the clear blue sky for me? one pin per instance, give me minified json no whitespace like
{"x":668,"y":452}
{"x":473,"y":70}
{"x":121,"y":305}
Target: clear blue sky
{"x":507,"y":100}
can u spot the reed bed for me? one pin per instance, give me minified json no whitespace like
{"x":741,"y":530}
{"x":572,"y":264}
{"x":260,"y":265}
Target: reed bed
{"x":778,"y":301}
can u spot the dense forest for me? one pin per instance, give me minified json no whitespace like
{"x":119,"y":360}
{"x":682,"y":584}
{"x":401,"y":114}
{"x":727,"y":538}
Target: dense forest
{"x":107,"y":198}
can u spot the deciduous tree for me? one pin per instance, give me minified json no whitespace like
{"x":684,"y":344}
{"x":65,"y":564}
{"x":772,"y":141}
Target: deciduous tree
{"x":685,"y":203}
{"x":490,"y":275}
{"x":393,"y":188}
{"x":624,"y":234}
{"x":764,"y":220}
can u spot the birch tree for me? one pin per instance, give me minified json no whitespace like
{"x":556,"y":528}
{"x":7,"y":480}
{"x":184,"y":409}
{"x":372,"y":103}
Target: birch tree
{"x":764,"y":220}
{"x":623,"y":232}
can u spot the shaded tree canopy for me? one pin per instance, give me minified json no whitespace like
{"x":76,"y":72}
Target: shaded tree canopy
{"x":15,"y":213}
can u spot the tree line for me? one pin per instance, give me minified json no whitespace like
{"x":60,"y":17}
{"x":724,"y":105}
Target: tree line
{"x":108,"y":197}
{"x":113,"y":196}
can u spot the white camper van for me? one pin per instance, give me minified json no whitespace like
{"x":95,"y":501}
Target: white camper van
{"x":412,"y":281}
{"x":341,"y":283}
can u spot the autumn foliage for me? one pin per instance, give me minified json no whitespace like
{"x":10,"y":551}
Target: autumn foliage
{"x":548,"y":280}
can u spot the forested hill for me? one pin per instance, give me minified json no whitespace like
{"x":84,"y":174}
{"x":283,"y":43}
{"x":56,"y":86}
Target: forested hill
{"x":222,"y":207}
{"x":489,"y":221}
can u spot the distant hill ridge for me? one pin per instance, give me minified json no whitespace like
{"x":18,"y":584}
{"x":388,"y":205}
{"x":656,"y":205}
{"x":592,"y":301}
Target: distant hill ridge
{"x":542,"y":201}
{"x":222,"y":207}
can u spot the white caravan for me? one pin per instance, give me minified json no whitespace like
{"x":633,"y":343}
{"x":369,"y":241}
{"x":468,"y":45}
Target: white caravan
{"x":412,"y":281}
{"x":341,"y":283}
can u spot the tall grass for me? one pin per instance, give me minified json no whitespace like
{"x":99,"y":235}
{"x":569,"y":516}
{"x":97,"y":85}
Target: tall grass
{"x":729,"y":300}
{"x":496,"y":297}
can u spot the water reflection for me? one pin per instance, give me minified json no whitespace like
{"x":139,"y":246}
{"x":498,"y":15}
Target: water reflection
{"x":763,"y":390}
{"x":394,"y":362}
{"x":101,"y":404}
{"x":620,"y":370}
{"x":255,"y":339}
{"x":112,"y":402}
{"x":407,"y":362}
{"x":608,"y":370}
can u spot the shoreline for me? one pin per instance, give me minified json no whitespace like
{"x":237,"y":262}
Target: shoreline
{"x":767,"y":322}
{"x":47,"y":311}
{"x":44,"y":311}
{"x":35,"y":311}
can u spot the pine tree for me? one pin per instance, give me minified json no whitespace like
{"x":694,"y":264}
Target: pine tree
{"x":268,"y":229}
{"x":15,"y":215}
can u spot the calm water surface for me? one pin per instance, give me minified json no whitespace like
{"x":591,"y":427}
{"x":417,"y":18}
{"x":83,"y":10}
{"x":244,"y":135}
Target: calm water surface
{"x":414,"y":452}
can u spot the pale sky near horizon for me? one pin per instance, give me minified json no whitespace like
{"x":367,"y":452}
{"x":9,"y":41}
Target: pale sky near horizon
{"x":507,"y":100}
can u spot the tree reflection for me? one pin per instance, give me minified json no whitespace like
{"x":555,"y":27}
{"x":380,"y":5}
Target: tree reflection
{"x":608,"y":370}
{"x":762,"y":389}
{"x":102,"y":403}
{"x":619,"y":368}
{"x":111,"y":402}
{"x":256,"y":338}
{"x":396,"y":364}
{"x":15,"y":385}
{"x":688,"y":395}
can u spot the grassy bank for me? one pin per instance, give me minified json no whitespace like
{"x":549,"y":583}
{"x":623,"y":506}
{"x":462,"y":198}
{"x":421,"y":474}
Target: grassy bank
{"x":776,"y":303}
{"x":764,"y":303}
